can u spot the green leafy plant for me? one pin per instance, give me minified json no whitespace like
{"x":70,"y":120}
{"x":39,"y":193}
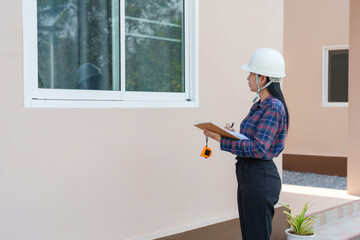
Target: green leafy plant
{"x":299,"y":224}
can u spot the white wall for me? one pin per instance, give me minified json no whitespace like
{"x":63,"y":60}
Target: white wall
{"x":126,"y":173}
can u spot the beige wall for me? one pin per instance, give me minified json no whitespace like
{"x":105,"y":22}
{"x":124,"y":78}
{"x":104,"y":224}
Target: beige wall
{"x":354,"y":100}
{"x":121,"y":173}
{"x":309,"y":25}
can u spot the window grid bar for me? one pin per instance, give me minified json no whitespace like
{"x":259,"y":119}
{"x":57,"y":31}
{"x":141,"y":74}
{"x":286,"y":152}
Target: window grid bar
{"x":153,"y":37}
{"x":152,"y":21}
{"x":115,"y":46}
{"x":183,"y":61}
{"x":122,"y":47}
{"x":186,"y":37}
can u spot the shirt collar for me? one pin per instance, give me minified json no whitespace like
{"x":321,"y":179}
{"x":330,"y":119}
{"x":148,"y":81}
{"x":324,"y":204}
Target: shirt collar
{"x":261,"y":104}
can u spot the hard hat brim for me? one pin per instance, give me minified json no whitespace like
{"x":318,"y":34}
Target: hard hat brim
{"x":248,"y":69}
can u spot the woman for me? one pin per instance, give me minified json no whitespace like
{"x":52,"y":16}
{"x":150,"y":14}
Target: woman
{"x":265,"y":126}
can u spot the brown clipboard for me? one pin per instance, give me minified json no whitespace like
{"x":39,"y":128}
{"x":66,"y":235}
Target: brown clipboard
{"x":215,"y":128}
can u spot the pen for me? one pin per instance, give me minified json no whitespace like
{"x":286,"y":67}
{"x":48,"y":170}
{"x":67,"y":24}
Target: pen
{"x":232,"y":125}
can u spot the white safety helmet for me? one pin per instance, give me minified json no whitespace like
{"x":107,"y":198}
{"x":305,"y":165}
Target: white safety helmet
{"x":266,"y":62}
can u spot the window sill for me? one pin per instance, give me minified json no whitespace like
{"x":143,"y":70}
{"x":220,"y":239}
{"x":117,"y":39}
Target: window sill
{"x":36,"y":103}
{"x":332,"y":104}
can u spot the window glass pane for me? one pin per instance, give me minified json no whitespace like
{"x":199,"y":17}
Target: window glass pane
{"x":154,"y":43}
{"x":75,"y":45}
{"x":338,"y":76}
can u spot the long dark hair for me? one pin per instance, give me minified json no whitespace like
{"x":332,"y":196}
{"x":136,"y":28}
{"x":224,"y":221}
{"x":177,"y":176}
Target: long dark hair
{"x":275,"y":91}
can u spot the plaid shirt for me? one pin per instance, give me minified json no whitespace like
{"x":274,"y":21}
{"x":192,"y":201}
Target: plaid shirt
{"x":265,"y":126}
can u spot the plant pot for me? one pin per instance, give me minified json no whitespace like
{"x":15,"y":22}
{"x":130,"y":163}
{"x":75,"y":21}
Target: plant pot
{"x":291,"y":236}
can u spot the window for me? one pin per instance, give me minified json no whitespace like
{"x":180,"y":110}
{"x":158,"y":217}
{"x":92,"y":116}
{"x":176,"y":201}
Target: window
{"x":335,"y":73}
{"x":110,"y":53}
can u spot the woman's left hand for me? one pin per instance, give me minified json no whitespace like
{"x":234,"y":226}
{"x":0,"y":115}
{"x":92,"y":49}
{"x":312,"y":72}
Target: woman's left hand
{"x":213,"y":135}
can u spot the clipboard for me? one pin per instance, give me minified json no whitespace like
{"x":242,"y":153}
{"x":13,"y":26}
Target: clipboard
{"x":222,"y":131}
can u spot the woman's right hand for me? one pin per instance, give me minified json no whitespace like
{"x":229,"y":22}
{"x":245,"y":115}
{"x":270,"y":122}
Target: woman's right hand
{"x":228,"y":127}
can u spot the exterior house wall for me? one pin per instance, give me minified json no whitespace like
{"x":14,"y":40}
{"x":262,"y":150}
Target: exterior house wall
{"x":128,"y":173}
{"x":309,"y":26}
{"x":354,"y":100}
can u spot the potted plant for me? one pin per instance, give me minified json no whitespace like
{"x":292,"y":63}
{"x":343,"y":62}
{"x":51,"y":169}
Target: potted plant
{"x":301,"y":227}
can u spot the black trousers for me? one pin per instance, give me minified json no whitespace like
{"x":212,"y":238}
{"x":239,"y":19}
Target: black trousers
{"x":259,"y":187}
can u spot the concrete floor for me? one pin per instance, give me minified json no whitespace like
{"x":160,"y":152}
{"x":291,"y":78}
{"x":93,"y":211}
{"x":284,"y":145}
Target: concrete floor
{"x":319,"y":199}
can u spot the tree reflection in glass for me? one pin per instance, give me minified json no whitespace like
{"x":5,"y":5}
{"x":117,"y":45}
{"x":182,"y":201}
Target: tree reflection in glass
{"x":76,"y":48}
{"x":154,"y":45}
{"x":71,"y":34}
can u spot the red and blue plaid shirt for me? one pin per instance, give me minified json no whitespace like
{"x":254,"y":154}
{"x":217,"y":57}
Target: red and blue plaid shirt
{"x":265,"y":126}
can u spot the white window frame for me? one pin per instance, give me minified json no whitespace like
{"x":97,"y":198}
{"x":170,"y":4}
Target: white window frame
{"x":325,"y":99}
{"x":68,"y":98}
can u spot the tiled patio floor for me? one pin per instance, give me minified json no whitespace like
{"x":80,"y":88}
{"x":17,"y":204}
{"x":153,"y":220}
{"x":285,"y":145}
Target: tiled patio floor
{"x":323,"y":201}
{"x":341,"y":229}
